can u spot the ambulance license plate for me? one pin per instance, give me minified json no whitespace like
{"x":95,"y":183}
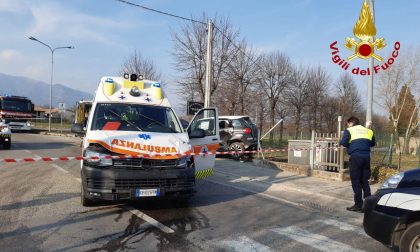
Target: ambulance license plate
{"x":147,"y":192}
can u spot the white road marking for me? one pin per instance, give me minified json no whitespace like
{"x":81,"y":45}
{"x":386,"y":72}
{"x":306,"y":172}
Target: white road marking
{"x":59,"y":168}
{"x":243,"y":244}
{"x":145,"y":217}
{"x":263,"y":195}
{"x":36,"y":156}
{"x":27,"y":151}
{"x":317,"y":241}
{"x":281,"y":186}
{"x":149,"y":219}
{"x":344,"y":226}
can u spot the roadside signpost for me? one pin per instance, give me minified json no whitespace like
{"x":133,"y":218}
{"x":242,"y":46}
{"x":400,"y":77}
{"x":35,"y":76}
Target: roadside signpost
{"x":61,"y":110}
{"x":194,"y":107}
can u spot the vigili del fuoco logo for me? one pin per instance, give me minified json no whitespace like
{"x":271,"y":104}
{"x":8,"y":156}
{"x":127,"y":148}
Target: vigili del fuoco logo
{"x":365,"y":47}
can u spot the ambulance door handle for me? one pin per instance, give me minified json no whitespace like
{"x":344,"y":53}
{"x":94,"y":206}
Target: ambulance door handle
{"x":214,"y":139}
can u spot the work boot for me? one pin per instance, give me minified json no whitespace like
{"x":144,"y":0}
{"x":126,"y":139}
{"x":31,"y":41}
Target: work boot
{"x":355,"y":209}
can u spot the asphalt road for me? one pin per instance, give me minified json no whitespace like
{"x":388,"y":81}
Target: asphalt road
{"x":40,"y":210}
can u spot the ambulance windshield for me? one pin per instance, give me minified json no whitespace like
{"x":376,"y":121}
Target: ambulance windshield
{"x":134,"y":117}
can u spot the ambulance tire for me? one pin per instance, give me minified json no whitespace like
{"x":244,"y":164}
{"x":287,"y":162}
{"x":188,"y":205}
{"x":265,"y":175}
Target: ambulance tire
{"x":6,"y":145}
{"x":184,"y":201}
{"x":85,"y":201}
{"x":239,"y":147}
{"x":410,"y":240}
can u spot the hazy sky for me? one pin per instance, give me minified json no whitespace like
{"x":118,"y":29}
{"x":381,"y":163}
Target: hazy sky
{"x":106,"y":32}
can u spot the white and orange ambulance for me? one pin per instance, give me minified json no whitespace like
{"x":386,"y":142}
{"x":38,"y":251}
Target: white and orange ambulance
{"x":133,"y":120}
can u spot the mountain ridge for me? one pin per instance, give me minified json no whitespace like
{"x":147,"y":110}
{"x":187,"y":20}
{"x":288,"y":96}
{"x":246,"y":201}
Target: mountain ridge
{"x":39,"y":91}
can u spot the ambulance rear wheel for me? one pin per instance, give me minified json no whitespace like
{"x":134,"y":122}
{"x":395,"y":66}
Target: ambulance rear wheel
{"x":410,"y":240}
{"x":85,"y":201}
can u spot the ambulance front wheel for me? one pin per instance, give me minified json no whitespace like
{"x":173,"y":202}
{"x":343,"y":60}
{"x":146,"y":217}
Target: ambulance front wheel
{"x":410,"y":240}
{"x":85,"y":201}
{"x":6,"y":145}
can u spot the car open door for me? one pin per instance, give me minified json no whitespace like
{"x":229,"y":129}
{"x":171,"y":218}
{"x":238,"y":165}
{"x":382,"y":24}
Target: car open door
{"x":204,"y":138}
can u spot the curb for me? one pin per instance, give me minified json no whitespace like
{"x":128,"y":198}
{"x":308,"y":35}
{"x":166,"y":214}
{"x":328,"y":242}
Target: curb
{"x":58,"y":134}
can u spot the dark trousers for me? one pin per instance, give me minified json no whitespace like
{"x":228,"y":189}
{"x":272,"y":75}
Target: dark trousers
{"x":359,"y":175}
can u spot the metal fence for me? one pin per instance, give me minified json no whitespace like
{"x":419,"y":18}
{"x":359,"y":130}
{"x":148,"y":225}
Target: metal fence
{"x":328,"y":156}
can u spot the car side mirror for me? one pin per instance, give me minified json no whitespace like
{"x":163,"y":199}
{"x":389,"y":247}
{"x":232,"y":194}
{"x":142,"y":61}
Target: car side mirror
{"x":197,"y":133}
{"x":77,"y":128}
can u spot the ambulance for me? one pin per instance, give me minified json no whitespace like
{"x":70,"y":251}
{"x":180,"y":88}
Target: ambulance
{"x":135,"y":147}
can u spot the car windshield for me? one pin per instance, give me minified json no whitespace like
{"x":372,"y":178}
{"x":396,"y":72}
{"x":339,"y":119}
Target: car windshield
{"x":16,"y":105}
{"x":134,"y":117}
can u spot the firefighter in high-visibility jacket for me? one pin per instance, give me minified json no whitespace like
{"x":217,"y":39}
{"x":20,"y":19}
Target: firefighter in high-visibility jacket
{"x":358,"y":140}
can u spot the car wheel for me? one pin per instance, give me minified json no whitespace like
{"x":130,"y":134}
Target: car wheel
{"x":410,"y":240}
{"x":237,"y":147}
{"x":85,"y":201}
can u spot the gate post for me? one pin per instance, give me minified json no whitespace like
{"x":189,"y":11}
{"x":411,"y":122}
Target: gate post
{"x":341,"y":148}
{"x":312,"y":151}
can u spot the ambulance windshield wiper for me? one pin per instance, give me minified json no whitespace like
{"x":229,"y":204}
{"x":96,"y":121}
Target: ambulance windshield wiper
{"x":159,"y":123}
{"x":131,"y":123}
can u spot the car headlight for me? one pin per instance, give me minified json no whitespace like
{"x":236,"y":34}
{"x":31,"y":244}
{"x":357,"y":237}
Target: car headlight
{"x":392,"y":182}
{"x":28,"y":123}
{"x":4,"y":128}
{"x":97,"y":158}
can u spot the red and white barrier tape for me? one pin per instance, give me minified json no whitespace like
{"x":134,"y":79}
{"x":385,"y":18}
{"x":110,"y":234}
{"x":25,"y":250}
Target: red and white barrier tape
{"x":51,"y":159}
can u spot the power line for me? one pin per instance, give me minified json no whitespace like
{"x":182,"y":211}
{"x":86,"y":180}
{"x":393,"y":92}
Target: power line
{"x":160,"y":12}
{"x":195,"y":21}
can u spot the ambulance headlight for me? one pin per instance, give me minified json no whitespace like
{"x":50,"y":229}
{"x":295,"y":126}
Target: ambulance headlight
{"x":135,"y":91}
{"x":392,"y":182}
{"x":183,"y":161}
{"x":96,"y":158}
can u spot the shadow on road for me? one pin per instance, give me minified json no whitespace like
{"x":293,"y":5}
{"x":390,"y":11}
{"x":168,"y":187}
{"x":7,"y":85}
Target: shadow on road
{"x":40,"y":200}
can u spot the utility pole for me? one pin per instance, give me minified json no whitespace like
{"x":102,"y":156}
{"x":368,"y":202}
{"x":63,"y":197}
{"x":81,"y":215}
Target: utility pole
{"x":370,"y":77}
{"x":207,"y":98}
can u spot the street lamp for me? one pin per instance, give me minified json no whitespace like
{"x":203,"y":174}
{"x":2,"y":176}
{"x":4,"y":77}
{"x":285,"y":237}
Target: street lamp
{"x":52,"y":72}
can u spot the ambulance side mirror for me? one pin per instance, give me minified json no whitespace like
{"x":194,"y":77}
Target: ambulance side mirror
{"x":77,"y":128}
{"x":197,"y":133}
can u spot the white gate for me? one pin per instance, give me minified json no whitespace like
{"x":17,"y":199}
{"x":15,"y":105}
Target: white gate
{"x":327,"y":153}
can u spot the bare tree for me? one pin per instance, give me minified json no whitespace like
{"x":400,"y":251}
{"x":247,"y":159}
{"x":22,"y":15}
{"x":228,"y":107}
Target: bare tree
{"x":190,"y":49}
{"x":329,"y":113}
{"x":349,"y":101}
{"x":138,"y":64}
{"x":404,"y":73}
{"x":318,"y":81}
{"x":241,"y":74}
{"x":296,"y":96}
{"x":274,"y":78}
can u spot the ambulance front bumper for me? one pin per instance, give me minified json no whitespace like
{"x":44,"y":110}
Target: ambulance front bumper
{"x":111,"y":183}
{"x":21,"y":126}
